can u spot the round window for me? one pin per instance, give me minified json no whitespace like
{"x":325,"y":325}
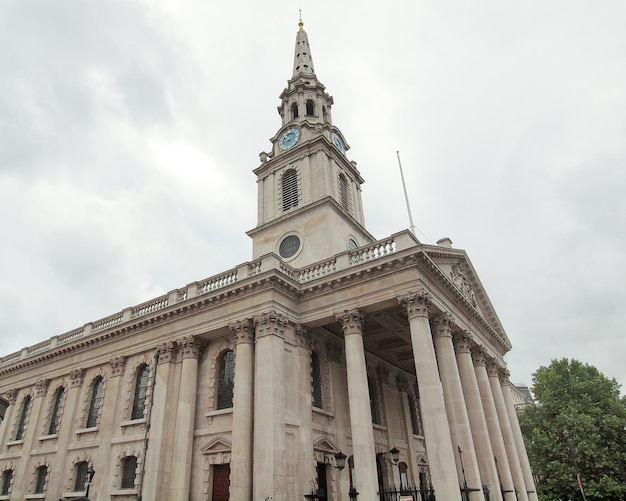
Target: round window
{"x":289,"y":246}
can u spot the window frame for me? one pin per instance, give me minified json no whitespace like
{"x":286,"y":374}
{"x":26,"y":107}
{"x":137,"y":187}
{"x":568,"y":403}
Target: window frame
{"x":22,"y":422}
{"x":127,"y":480}
{"x":41,"y":478}
{"x":140,"y":394}
{"x":225,"y":389}
{"x":96,"y":396}
{"x":57,"y":409}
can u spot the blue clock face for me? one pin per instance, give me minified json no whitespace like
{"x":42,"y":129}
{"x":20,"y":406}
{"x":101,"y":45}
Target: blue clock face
{"x":289,"y":138}
{"x":337,"y":142}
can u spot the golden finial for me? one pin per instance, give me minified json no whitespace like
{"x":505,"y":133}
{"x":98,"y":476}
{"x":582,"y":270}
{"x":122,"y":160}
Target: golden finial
{"x":300,"y":23}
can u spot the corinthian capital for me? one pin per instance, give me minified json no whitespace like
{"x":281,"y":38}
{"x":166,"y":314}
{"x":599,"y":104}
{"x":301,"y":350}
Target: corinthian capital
{"x":117,"y":365}
{"x":416,"y":303}
{"x":40,"y":387}
{"x":351,"y":321}
{"x":462,"y":342}
{"x":442,"y":325}
{"x":166,"y":351}
{"x":271,"y":323}
{"x":190,"y":346}
{"x":243,"y":331}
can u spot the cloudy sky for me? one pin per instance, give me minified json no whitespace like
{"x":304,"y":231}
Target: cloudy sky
{"x":129,"y":130}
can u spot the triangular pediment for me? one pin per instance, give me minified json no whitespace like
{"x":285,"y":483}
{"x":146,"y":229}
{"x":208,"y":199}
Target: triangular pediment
{"x":456,"y":268}
{"x":325,"y":444}
{"x":217,"y":444}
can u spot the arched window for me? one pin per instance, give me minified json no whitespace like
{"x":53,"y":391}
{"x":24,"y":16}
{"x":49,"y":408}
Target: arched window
{"x":290,"y":189}
{"x":225,"y":380}
{"x":95,"y":402}
{"x":404,"y":479}
{"x":415,"y":420}
{"x":41,"y":475}
{"x":4,"y":405}
{"x":7,"y":478}
{"x":129,"y":471}
{"x":294,"y":110}
{"x":55,"y":417}
{"x":141,"y":390}
{"x":80,"y":475}
{"x":374,"y":402}
{"x":343,"y":192}
{"x":21,"y":424}
{"x":310,"y":108}
{"x":316,"y":380}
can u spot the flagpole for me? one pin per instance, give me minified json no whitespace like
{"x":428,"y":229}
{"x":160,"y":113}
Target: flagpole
{"x":406,"y":196}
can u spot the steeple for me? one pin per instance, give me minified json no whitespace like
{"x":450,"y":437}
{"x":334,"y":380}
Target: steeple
{"x":309,"y":192}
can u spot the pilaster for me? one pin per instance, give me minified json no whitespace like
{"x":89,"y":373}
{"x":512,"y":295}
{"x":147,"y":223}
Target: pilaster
{"x":243,"y":408}
{"x":435,"y":420}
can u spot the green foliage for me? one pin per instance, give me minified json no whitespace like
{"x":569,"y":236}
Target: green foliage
{"x":578,"y":426}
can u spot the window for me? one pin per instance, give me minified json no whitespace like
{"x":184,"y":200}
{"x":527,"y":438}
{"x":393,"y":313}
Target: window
{"x":95,"y":403}
{"x":294,"y":110}
{"x":41,"y":475}
{"x":343,"y":192}
{"x":404,"y":479}
{"x":289,"y":246}
{"x":55,"y":417}
{"x":310,"y":108}
{"x":80,"y":475}
{"x":141,"y":389}
{"x":7,"y":477}
{"x":374,"y":402}
{"x":21,"y":425}
{"x":225,"y":380}
{"x":129,"y":468}
{"x":316,"y":380}
{"x":290,"y":189}
{"x":415,"y":420}
{"x":4,"y":405}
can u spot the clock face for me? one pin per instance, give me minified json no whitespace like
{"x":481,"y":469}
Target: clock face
{"x":289,"y":138}
{"x":337,"y":141}
{"x":352,"y":244}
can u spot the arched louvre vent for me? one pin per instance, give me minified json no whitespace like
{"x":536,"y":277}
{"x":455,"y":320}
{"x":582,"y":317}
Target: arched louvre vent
{"x":343,"y":192}
{"x":290,"y":189}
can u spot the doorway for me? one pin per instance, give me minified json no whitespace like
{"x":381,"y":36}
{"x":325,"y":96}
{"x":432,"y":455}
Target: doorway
{"x":221,"y":482}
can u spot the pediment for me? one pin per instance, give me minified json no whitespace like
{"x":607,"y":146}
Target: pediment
{"x":461,"y":277}
{"x":325,"y":444}
{"x":216,"y":444}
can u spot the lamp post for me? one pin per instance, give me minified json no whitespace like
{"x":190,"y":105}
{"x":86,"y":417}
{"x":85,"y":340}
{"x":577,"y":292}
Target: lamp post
{"x":90,"y":473}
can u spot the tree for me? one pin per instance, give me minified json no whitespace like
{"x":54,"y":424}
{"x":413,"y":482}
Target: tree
{"x":578,"y":427}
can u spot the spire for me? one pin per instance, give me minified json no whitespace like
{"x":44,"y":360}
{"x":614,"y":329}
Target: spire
{"x":302,"y":61}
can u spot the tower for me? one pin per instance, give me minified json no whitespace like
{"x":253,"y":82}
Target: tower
{"x":309,"y":193}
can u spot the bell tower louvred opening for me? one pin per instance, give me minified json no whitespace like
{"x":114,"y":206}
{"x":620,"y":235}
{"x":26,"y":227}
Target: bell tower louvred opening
{"x":306,"y":184}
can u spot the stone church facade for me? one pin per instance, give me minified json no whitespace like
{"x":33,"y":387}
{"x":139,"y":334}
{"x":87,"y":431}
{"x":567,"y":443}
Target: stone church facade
{"x":255,"y":384}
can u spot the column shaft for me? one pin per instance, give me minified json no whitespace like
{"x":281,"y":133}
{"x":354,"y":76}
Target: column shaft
{"x":519,"y":441}
{"x":243,"y":407}
{"x":493,"y":424}
{"x":507,"y":434}
{"x":467,"y":464}
{"x":476,"y":415}
{"x":363,"y":448}
{"x":434,"y":417}
{"x":305,"y":458}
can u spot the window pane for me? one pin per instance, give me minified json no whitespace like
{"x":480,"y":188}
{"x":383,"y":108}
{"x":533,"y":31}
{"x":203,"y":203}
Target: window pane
{"x":129,"y":466}
{"x":7,"y":476}
{"x":21,"y":426}
{"x":42,"y":473}
{"x":56,"y":412}
{"x":96,"y":402}
{"x":81,"y":476}
{"x":141,"y":390}
{"x":226,"y":380}
{"x":316,"y":379}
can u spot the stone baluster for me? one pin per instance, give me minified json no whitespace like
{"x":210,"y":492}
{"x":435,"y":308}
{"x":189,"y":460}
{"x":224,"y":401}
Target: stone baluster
{"x":507,"y":433}
{"x":363,"y":449}
{"x":243,"y":408}
{"x":434,"y":417}
{"x":493,"y":425}
{"x":467,"y":463}
{"x":190,"y":348}
{"x":476,"y":415}
{"x":519,"y":439}
{"x":154,"y":482}
{"x":269,"y":408}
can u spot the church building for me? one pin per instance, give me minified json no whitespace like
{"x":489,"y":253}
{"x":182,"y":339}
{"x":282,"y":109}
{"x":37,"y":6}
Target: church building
{"x":331,"y":366}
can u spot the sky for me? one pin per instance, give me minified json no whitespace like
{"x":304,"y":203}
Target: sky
{"x":129,"y":130}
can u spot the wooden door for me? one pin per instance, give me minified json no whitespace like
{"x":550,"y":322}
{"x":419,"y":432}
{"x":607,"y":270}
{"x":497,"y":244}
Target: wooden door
{"x":221,"y":482}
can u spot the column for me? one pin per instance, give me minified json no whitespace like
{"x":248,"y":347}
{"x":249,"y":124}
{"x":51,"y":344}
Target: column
{"x":476,"y":415}
{"x":467,"y":464}
{"x":269,"y":408}
{"x":190,"y":348}
{"x":109,"y":422}
{"x":243,"y":407}
{"x":493,"y":425}
{"x":519,"y":439}
{"x":363,"y":448}
{"x":160,"y":423}
{"x":507,"y":433}
{"x":306,"y":460}
{"x":434,"y":417}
